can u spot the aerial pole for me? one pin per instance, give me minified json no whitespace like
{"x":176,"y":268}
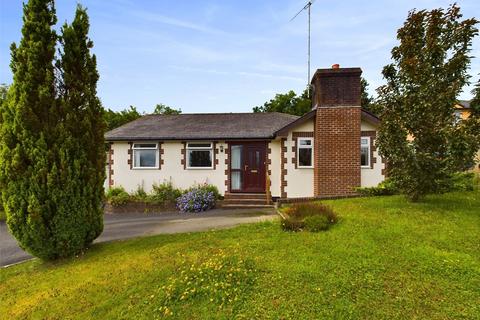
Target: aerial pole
{"x":308,"y":73}
{"x":308,"y":8}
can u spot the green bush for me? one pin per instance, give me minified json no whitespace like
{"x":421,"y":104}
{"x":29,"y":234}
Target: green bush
{"x":140,"y":194}
{"x":476,"y":181}
{"x":291,"y":224}
{"x":463,"y":181}
{"x":205,"y":188}
{"x":314,"y":214}
{"x":117,"y":196}
{"x":164,"y":193}
{"x":384,"y":188}
{"x":317,"y":223}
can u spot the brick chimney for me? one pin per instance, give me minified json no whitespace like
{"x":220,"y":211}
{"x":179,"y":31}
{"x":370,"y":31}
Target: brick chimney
{"x":336,"y":97}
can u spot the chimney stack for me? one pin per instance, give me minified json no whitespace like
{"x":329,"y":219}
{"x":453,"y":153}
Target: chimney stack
{"x":336,"y":97}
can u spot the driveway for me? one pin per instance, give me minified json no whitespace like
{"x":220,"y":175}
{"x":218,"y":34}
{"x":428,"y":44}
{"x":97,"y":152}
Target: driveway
{"x":124,"y":226}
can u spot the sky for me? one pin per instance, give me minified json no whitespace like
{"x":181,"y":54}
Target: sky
{"x":226,"y":55}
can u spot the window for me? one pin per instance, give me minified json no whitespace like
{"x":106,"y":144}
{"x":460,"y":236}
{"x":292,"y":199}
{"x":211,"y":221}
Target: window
{"x":145,"y":155}
{"x":365,"y":152}
{"x":305,"y":152}
{"x":199,"y":155}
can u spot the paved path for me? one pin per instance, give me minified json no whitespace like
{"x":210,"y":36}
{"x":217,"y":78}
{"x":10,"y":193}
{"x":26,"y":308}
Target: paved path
{"x":124,"y":226}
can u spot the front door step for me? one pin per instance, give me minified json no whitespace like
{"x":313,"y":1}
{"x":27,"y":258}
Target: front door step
{"x":246,"y":200}
{"x":246,"y":206}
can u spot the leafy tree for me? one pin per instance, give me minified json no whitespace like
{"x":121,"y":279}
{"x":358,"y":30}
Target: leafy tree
{"x":287,"y":103}
{"x":367,"y":101}
{"x":472,"y":123}
{"x":115,"y":119}
{"x":79,"y":212}
{"x":475,"y":102}
{"x":164,"y":109}
{"x":418,"y":135}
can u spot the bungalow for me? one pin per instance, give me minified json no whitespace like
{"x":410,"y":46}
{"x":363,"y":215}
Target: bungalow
{"x":327,"y":152}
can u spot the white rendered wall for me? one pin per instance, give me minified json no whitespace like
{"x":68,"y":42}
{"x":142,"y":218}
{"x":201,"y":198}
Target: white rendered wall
{"x":372,"y":177}
{"x":171,"y":170}
{"x":299,"y":180}
{"x":275,"y":167}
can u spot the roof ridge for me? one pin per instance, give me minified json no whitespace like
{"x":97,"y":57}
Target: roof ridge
{"x":217,"y":113}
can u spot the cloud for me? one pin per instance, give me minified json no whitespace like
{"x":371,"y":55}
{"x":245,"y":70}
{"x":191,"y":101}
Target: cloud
{"x":234,"y":73}
{"x":155,"y":17}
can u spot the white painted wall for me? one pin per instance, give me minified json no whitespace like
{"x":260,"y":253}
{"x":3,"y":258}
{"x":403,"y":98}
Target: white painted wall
{"x":171,"y":170}
{"x":372,"y":177}
{"x":299,"y":180}
{"x":275,"y":167}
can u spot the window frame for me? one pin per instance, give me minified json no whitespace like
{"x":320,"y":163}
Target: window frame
{"x":369,"y":153}
{"x":157,"y":155}
{"x":299,"y":146}
{"x":187,"y":154}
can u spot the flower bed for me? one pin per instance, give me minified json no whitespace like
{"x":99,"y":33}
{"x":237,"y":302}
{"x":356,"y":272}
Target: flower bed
{"x":163,"y":197}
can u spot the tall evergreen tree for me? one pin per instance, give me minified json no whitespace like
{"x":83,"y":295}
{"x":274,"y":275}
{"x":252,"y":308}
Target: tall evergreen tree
{"x":27,"y":133}
{"x":81,"y":137}
{"x":418,"y":136}
{"x":51,"y":150}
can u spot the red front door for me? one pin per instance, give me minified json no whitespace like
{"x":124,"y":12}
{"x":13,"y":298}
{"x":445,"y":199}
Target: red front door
{"x":247,"y":163}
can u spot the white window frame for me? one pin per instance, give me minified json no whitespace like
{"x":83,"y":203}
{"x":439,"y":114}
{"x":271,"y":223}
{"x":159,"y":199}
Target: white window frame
{"x":135,"y":149}
{"x":299,"y":146}
{"x":189,"y":148}
{"x":369,"y":145}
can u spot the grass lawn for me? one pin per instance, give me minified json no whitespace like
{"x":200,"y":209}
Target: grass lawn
{"x":385,"y":259}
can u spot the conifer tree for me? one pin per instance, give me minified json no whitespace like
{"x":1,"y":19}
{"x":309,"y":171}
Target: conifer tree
{"x":81,"y":134}
{"x":27,"y":148}
{"x":51,"y":132}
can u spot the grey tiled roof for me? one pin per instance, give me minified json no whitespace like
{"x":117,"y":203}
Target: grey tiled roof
{"x":202,"y":126}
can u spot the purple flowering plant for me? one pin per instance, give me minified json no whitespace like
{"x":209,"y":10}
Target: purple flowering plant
{"x":196,"y":199}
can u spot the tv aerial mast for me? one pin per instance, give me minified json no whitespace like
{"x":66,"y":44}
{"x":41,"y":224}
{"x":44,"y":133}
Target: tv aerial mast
{"x":308,"y":8}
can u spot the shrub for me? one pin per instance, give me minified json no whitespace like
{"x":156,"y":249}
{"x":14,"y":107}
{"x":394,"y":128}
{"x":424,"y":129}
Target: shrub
{"x":196,"y":200}
{"x":384,"y":188}
{"x":317,"y":223}
{"x":291,"y":224}
{"x":164,"y":193}
{"x":207,"y":188}
{"x":463,"y":181}
{"x":311,"y":216}
{"x":140,"y":194}
{"x":117,"y":196}
{"x":221,"y":279}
